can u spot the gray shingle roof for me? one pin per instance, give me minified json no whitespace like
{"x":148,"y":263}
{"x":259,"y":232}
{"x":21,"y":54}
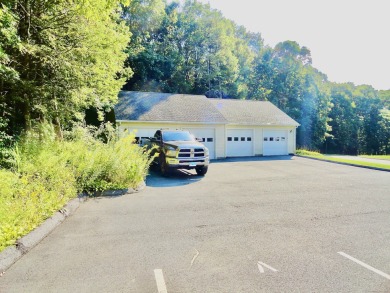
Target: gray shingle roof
{"x":143,"y":106}
{"x":250,"y":112}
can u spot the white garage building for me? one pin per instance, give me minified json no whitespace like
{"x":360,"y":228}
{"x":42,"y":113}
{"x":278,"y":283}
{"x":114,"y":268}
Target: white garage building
{"x":229,"y":128}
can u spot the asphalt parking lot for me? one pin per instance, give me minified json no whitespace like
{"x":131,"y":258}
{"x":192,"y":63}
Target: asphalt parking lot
{"x":283,"y":224}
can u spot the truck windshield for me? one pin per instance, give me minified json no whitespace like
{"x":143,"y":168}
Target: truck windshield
{"x":177,"y":136}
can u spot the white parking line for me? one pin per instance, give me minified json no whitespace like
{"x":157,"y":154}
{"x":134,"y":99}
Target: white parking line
{"x":158,"y":274}
{"x":261,"y":269}
{"x":195,"y":256}
{"x":365,"y":265}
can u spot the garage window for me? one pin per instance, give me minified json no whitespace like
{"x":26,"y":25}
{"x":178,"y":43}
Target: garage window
{"x":249,"y":139}
{"x":242,"y":138}
{"x":271,"y":139}
{"x":229,"y":139}
{"x":236,"y":139}
{"x":283,"y":138}
{"x":277,"y":138}
{"x":209,"y":139}
{"x":265,"y":138}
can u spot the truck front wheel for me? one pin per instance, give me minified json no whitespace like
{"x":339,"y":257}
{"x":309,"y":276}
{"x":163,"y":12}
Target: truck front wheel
{"x":201,"y":171}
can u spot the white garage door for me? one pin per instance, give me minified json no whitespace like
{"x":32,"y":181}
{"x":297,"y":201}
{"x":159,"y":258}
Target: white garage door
{"x":239,"y":143}
{"x":275,"y":142}
{"x":207,"y":135}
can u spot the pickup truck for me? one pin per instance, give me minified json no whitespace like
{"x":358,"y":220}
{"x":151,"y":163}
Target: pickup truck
{"x":178,"y":149}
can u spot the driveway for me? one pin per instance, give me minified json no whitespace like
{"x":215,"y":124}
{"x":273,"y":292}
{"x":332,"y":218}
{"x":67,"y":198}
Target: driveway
{"x":283,"y":224}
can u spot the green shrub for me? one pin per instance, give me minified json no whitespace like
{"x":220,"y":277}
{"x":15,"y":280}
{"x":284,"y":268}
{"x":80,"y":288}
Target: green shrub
{"x":98,"y":166}
{"x":303,"y":152}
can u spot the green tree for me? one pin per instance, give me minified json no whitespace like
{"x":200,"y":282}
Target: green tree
{"x":315,"y":109}
{"x":368,"y":107}
{"x":191,"y":52}
{"x":144,"y":18}
{"x":9,"y":42}
{"x":205,"y":42}
{"x":343,"y":121}
{"x":385,"y":98}
{"x":69,"y":57}
{"x":385,"y":132}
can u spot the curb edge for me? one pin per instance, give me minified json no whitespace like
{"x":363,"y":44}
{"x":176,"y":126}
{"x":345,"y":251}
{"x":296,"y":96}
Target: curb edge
{"x":345,"y":164}
{"x":23,"y":245}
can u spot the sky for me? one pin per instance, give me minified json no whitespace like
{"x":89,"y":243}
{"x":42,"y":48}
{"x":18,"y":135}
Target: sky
{"x":349,"y":40}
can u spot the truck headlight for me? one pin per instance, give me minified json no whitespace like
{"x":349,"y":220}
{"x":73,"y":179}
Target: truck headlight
{"x":171,"y":152}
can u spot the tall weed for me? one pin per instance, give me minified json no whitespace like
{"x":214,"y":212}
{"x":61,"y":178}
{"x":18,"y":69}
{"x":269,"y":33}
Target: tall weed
{"x":98,"y":166}
{"x":28,"y":199}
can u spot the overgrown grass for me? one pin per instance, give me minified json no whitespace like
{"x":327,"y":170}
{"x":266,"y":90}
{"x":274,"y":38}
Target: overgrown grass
{"x":317,"y":155}
{"x":308,"y":153}
{"x":46,"y":173}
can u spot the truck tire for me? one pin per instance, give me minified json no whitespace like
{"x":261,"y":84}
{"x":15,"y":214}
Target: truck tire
{"x":164,"y":168}
{"x":201,"y":171}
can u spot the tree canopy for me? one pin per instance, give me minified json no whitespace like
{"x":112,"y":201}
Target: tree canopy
{"x":192,"y":48}
{"x":61,"y":57}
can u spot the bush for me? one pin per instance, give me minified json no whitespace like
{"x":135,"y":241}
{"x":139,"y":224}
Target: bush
{"x":98,"y":166}
{"x":303,"y":152}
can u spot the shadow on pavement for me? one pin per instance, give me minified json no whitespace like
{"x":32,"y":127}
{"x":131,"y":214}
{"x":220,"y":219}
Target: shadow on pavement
{"x":177,"y":178}
{"x":183,"y":177}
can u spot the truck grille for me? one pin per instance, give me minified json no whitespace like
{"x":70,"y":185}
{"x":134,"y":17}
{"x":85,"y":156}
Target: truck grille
{"x":191,"y":153}
{"x":191,"y":161}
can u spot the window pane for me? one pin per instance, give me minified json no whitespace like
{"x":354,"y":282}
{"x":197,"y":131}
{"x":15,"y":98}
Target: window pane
{"x":236,"y":139}
{"x":229,"y":139}
{"x":271,"y":139}
{"x":265,"y":138}
{"x":242,"y":138}
{"x":249,"y":139}
{"x":209,"y":139}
